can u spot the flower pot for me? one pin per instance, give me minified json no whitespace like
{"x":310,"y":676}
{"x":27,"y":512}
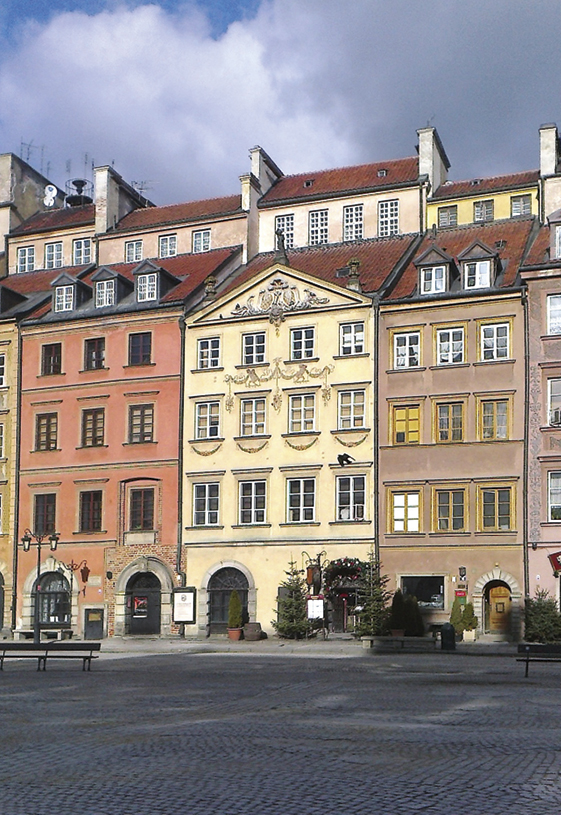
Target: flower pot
{"x":398,"y":632}
{"x":252,"y":632}
{"x":235,"y":633}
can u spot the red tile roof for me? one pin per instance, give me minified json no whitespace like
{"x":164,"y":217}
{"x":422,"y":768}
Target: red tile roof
{"x":36,"y":282}
{"x":342,"y":180}
{"x":176,"y":213}
{"x":61,"y":218}
{"x":460,"y":189}
{"x":539,"y":252}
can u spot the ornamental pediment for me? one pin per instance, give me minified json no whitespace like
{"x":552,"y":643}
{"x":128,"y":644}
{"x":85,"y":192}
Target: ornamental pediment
{"x":277,"y":299}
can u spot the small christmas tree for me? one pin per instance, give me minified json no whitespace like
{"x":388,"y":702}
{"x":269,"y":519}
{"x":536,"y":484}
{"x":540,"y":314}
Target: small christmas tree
{"x":456,"y":616}
{"x":373,"y":599}
{"x":398,"y":616}
{"x":234,"y":610}
{"x":469,"y":620}
{"x":293,"y":620}
{"x":414,"y":625}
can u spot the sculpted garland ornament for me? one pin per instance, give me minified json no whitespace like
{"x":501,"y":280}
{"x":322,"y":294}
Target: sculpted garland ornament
{"x":278,"y":299}
{"x":300,"y":376}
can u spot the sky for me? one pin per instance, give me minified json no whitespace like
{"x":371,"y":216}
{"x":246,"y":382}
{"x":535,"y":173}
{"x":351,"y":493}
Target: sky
{"x":174,"y":93}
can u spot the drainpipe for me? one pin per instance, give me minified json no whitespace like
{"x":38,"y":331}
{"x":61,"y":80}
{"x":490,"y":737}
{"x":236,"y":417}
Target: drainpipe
{"x":178,"y":557}
{"x":375,"y":433}
{"x":19,"y":351}
{"x":526,"y":441}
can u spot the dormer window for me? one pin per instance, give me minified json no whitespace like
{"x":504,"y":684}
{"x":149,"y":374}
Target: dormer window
{"x":433,"y":279}
{"x":477,"y":274}
{"x":64,"y":298}
{"x":104,"y":293}
{"x":147,"y":287}
{"x":558,"y":241}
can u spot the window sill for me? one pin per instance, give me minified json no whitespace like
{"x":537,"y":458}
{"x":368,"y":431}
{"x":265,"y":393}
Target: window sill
{"x":301,"y":523}
{"x":405,"y":534}
{"x":256,"y":437}
{"x":449,"y":365}
{"x":49,"y":450}
{"x":250,"y":365}
{"x":552,"y":524}
{"x":300,"y":433}
{"x":547,"y":337}
{"x":497,"y":532}
{"x":363,"y":522}
{"x":137,"y":443}
{"x":205,"y":370}
{"x":415,"y":368}
{"x":346,"y":430}
{"x":304,"y":360}
{"x":495,"y":361}
{"x":91,"y":370}
{"x":140,"y":365}
{"x":205,"y":441}
{"x":361,"y":355}
{"x":451,"y":532}
{"x":205,"y":526}
{"x":45,"y":376}
{"x":251,"y":526}
{"x":91,"y":532}
{"x":90,"y":446}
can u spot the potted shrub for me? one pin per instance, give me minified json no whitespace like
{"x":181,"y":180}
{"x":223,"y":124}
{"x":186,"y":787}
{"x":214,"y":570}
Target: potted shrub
{"x":469,"y":623}
{"x":235,"y":616}
{"x":456,"y":618}
{"x":398,"y":615}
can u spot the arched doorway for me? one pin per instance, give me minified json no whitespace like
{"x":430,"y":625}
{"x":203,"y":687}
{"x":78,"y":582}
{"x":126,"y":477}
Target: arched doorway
{"x":498,"y":602}
{"x":220,"y":586}
{"x":143,"y":604}
{"x":53,"y":591}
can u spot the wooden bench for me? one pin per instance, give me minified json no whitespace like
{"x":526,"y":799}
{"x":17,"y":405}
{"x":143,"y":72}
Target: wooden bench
{"x":42,"y":651}
{"x":538,"y":652}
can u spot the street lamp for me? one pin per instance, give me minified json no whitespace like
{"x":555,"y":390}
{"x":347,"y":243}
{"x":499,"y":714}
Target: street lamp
{"x":27,"y":538}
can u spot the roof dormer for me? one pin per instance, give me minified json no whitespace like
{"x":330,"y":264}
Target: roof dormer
{"x":109,"y":287}
{"x":479,"y":266}
{"x":435,"y":269}
{"x":554,"y":221}
{"x":69,"y":293}
{"x":152,"y":282}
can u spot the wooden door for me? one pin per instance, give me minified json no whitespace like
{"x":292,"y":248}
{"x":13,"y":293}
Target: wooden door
{"x":499,"y":609}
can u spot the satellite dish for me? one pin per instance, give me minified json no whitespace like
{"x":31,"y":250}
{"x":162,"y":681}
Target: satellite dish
{"x":50,"y":195}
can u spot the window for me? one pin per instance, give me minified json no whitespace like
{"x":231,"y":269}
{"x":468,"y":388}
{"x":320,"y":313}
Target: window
{"x":285,"y":223}
{"x":449,"y":346}
{"x":201,"y":240}
{"x":405,"y":511}
{"x":351,"y":498}
{"x":496,"y":509}
{"x":351,"y":410}
{"x":93,"y":427}
{"x":447,"y":216}
{"x":252,"y":417}
{"x":318,"y":227}
{"x":450,"y":422}
{"x":133,"y":251}
{"x":558,"y":241}
{"x":449,"y":515}
{"x":46,"y":427}
{"x":167,"y":246}
{"x":64,"y":298}
{"x":428,"y":590}
{"x":2,"y":441}
{"x":351,"y":339}
{"x":104,"y":293}
{"x":495,"y":341}
{"x":406,"y":421}
{"x":53,"y":255}
{"x":146,"y":287}
{"x":208,"y":355}
{"x":141,"y":424}
{"x":352,"y":222}
{"x":388,"y":218}
{"x":81,"y":251}
{"x":253,"y":348}
{"x":301,"y":499}
{"x":301,"y":413}
{"x":554,"y":313}
{"x":433,"y":279}
{"x":44,"y":521}
{"x":252,"y":502}
{"x":520,"y":205}
{"x":493,"y":419}
{"x":3,"y":382}
{"x":406,"y":349}
{"x":90,"y":511}
{"x":554,"y":401}
{"x":26,"y":258}
{"x":302,"y":343}
{"x":477,"y":275}
{"x":207,"y":420}
{"x":141,"y":509}
{"x":206,"y":498}
{"x":483,"y":210}
{"x":554,"y":497}
{"x":51,"y":359}
{"x":94,"y":354}
{"x":140,"y":348}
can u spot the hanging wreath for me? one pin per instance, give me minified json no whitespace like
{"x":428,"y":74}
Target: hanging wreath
{"x":343,"y":573}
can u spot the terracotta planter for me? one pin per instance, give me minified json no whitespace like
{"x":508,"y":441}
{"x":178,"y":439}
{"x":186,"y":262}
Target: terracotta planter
{"x":235,"y":633}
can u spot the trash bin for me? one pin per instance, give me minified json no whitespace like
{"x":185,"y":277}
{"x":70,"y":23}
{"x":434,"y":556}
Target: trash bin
{"x":447,"y":637}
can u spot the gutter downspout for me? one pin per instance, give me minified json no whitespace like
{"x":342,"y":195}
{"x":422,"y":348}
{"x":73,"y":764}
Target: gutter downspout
{"x":178,"y":556}
{"x":525,"y":531}
{"x":16,"y":482}
{"x":375,"y":433}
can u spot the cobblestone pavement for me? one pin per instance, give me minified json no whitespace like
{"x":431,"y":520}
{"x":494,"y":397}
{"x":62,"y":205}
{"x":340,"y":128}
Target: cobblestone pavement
{"x":262,"y":734}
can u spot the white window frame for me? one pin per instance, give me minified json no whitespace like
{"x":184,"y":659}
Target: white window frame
{"x":302,"y":509}
{"x":554,"y":402}
{"x":450,"y":346}
{"x":353,"y":222}
{"x":252,"y":502}
{"x":477,"y":274}
{"x":402,"y":361}
{"x":554,"y":314}
{"x":351,"y":339}
{"x":167,"y":246}
{"x":484,"y":210}
{"x":133,"y":251}
{"x":147,"y":287}
{"x":302,"y":343}
{"x":286,"y":224}
{"x":208,"y":353}
{"x":351,"y":409}
{"x":3,"y":371}
{"x":558,"y":241}
{"x":64,"y":298}
{"x":406,"y":511}
{"x":318,"y":227}
{"x":81,"y":251}
{"x":351,"y":509}
{"x":554,"y":491}
{"x":201,"y":241}
{"x":302,"y":413}
{"x":447,"y":216}
{"x":520,"y":205}
{"x":53,"y":255}
{"x":388,"y":218}
{"x":433,"y":279}
{"x":207,"y":420}
{"x":2,"y":441}
{"x":491,"y":344}
{"x":26,"y":259}
{"x":104,"y":293}
{"x":206,"y":503}
{"x":253,"y":348}
{"x":252,"y":416}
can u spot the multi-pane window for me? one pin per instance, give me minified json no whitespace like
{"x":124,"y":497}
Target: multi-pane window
{"x":285,"y":224}
{"x":140,"y":348}
{"x":93,"y":427}
{"x":447,"y":216}
{"x":351,"y":339}
{"x":450,"y":511}
{"x":495,"y":341}
{"x":388,"y":218}
{"x":81,"y":251}
{"x":477,"y":274}
{"x":554,"y":497}
{"x":318,"y":227}
{"x":141,"y":509}
{"x":520,"y":205}
{"x":449,"y":346}
{"x":450,"y":422}
{"x":405,"y":511}
{"x":353,"y":222}
{"x":26,"y":258}
{"x":433,"y":279}
{"x":483,"y":210}
{"x":301,"y":500}
{"x":554,"y":314}
{"x":90,"y":511}
{"x":44,"y":517}
{"x":494,"y":419}
{"x":351,"y":498}
{"x":51,"y":359}
{"x":351,"y":410}
{"x":554,"y":401}
{"x":3,"y":381}
{"x":302,"y":343}
{"x":104,"y":293}
{"x":253,"y":502}
{"x":141,"y":424}
{"x":253,"y":348}
{"x":407,"y":350}
{"x":147,"y":287}
{"x":167,"y":246}
{"x":208,"y":353}
{"x":252,"y":417}
{"x":301,"y":412}
{"x":64,"y":298}
{"x":2,"y":441}
{"x":94,"y":354}
{"x":46,"y":431}
{"x":406,"y":424}
{"x":201,"y":240}
{"x":206,"y":501}
{"x":53,"y":255}
{"x":133,"y":251}
{"x":496,"y":508}
{"x":207,"y":420}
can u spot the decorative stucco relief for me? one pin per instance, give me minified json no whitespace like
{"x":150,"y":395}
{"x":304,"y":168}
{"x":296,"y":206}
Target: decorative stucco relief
{"x":278,"y":299}
{"x":275,"y":374}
